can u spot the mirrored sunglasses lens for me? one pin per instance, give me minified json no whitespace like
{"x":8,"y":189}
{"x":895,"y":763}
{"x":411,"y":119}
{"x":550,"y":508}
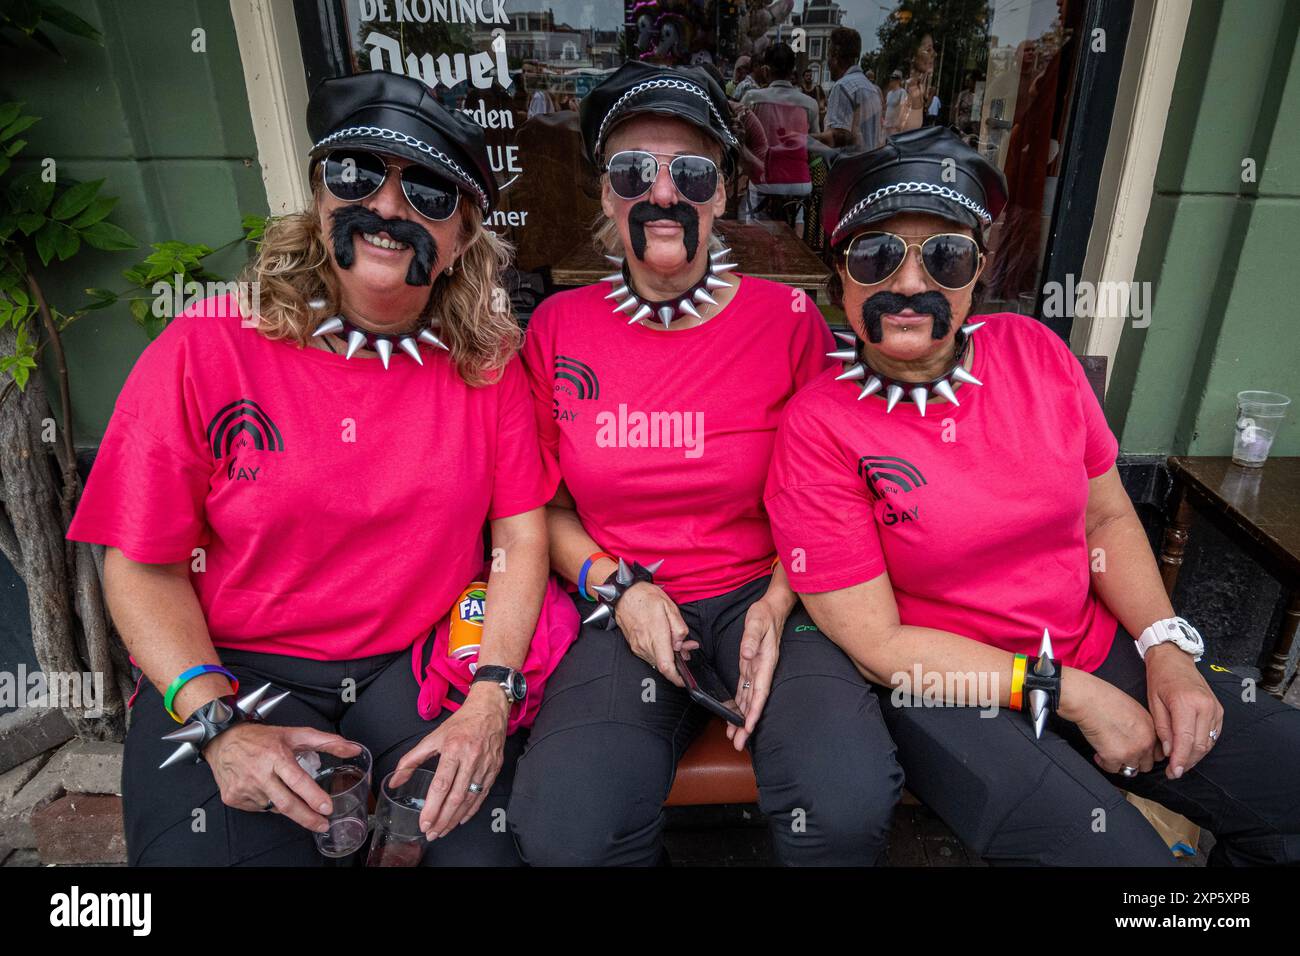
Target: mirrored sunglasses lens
{"x":353,"y":174}
{"x":874,"y":257}
{"x":632,"y":173}
{"x":695,"y":177}
{"x":950,"y":260}
{"x":431,"y":196}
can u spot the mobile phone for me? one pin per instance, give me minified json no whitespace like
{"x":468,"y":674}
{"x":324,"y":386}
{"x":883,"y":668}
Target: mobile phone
{"x":703,"y":698}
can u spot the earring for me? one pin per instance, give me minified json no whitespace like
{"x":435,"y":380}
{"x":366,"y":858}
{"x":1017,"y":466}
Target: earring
{"x":450,"y":268}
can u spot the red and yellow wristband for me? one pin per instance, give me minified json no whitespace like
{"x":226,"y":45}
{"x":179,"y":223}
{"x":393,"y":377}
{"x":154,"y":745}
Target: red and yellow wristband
{"x":1018,"y":665}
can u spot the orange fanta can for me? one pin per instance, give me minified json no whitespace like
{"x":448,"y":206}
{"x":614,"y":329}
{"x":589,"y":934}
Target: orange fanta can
{"x":467,"y":622}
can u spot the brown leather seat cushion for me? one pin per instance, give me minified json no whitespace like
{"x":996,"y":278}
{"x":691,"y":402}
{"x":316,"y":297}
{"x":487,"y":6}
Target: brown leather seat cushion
{"x":712,"y":771}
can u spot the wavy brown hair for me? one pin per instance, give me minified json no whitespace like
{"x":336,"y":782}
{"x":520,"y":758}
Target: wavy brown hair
{"x":469,"y":308}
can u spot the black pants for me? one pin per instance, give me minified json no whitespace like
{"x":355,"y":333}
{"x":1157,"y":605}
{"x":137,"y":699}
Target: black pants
{"x":1015,"y":799}
{"x":371,"y":701}
{"x":602,"y":754}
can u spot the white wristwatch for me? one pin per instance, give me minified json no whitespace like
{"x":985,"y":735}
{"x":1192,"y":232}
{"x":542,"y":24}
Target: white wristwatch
{"x":1174,"y":629}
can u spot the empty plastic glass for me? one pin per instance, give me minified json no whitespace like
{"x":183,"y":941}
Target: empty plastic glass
{"x":1259,"y":416}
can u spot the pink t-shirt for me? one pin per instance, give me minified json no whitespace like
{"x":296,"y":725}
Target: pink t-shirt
{"x":977,"y":512}
{"x":663,"y":438}
{"x":339,"y":506}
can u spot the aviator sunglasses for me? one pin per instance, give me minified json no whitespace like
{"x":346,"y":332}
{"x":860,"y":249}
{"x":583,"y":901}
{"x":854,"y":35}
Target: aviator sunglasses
{"x":633,"y":171}
{"x":951,"y":260}
{"x":354,"y":174}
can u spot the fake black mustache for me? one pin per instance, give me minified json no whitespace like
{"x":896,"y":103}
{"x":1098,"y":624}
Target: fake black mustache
{"x":681,"y":213}
{"x":352,"y":219}
{"x":923,"y":303}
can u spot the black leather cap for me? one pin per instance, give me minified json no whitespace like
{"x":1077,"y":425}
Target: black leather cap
{"x":399,"y":115}
{"x":686,"y":93}
{"x":923,"y":170}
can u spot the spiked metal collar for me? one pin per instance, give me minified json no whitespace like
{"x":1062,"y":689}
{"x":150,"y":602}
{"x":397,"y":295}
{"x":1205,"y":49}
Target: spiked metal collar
{"x":666,"y":310}
{"x":377,"y":341}
{"x":858,"y":369}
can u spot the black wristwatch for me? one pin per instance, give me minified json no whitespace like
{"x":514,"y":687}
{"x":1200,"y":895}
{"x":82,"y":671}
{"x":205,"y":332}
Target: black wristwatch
{"x":509,"y":680}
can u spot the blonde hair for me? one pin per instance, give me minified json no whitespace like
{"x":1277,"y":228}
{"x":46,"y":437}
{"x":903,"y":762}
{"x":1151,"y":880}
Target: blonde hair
{"x":470,"y":308}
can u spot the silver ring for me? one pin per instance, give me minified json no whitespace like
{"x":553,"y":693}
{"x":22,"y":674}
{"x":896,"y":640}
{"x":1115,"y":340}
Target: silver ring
{"x":746,"y":686}
{"x":1214,"y":734}
{"x":476,"y":788}
{"x":270,"y":807}
{"x":1129,"y":771}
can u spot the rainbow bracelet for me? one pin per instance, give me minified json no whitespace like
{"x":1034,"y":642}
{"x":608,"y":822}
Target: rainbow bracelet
{"x":1017,"y":682}
{"x":586,"y":569}
{"x":188,"y":675}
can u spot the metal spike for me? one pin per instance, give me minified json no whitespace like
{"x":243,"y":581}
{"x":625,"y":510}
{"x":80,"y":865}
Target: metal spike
{"x":602,"y":615}
{"x":627,"y":304}
{"x":970,"y":329}
{"x":848,"y":338}
{"x":624,"y":574}
{"x":328,"y":326}
{"x":427,"y":336}
{"x":656,"y":566}
{"x":704,"y":297}
{"x":187,"y":752}
{"x":189,"y":734}
{"x":407,"y":345}
{"x":618,"y":293}
{"x":843,"y":355}
{"x":717,"y":267}
{"x":853,"y":373}
{"x":318,"y":303}
{"x":712,"y":282}
{"x":385,"y":349}
{"x":640,"y":314}
{"x":607,"y":591}
{"x":892,"y":395}
{"x":1044,"y":665}
{"x":356,"y":339}
{"x":666,"y":315}
{"x":961,"y":375}
{"x":918,"y":397}
{"x":617,"y":260}
{"x":612,"y":277}
{"x":713,"y":256}
{"x":250,"y":700}
{"x":1038,"y":710}
{"x":267,"y":706}
{"x":874,"y":384}
{"x":686,"y":307}
{"x":944,"y":391}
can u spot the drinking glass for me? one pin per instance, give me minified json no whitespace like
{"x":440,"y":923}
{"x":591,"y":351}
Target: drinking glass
{"x":1259,"y":416}
{"x":347,"y":781}
{"x":398,"y":840}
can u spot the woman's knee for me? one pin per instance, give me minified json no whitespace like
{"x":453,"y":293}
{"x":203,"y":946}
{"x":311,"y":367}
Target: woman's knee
{"x":571,"y":806}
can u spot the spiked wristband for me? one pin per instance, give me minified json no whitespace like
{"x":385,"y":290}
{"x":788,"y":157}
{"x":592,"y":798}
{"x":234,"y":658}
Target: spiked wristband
{"x":616,"y":585}
{"x":1043,"y":685}
{"x":1050,"y":684}
{"x":216,"y":717}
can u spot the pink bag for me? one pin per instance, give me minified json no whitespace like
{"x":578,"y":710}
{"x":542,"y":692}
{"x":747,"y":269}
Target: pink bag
{"x":557,"y":628}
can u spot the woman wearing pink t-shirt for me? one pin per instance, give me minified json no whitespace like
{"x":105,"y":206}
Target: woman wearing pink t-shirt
{"x":963,"y":534}
{"x":294,"y":492}
{"x":657,"y":396}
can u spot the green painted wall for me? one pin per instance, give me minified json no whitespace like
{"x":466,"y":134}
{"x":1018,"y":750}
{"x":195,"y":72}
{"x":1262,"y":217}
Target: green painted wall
{"x":169,"y":130}
{"x":1221,"y":253}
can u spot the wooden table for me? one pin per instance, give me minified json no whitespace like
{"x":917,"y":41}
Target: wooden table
{"x":1259,"y":508}
{"x":769,"y":250}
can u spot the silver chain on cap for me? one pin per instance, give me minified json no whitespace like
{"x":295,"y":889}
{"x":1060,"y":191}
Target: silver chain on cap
{"x":914,"y":187}
{"x":670,"y":83}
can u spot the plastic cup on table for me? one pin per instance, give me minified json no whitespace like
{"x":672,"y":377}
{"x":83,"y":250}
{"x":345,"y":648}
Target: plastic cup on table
{"x":398,"y":840}
{"x":1259,"y":416}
